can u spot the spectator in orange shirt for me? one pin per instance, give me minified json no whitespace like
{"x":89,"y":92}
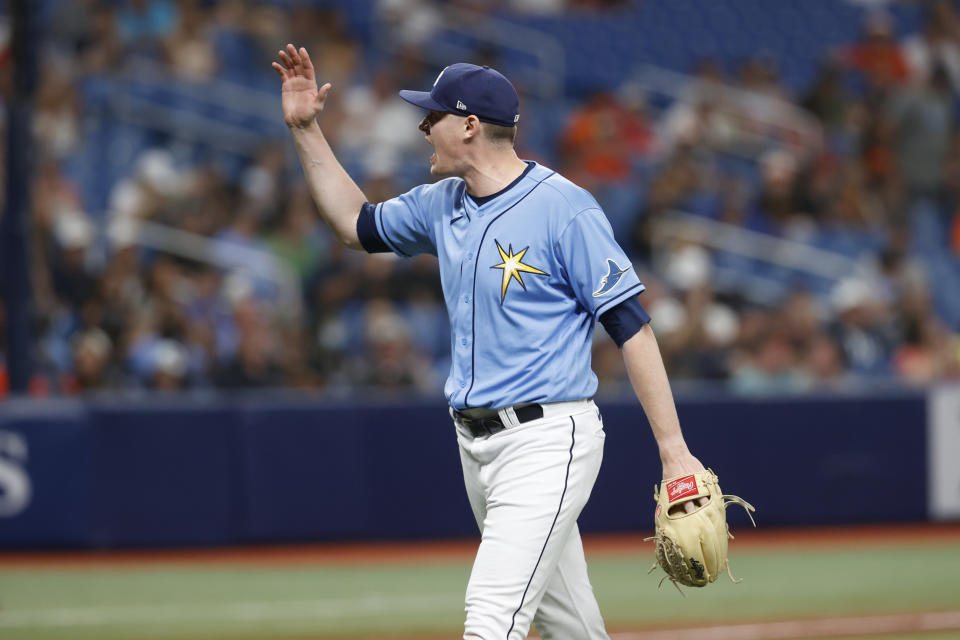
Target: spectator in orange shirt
{"x":877,"y":55}
{"x":601,"y":139}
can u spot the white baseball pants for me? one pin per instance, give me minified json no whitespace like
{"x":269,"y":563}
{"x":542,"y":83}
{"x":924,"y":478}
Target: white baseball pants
{"x":527,"y":486}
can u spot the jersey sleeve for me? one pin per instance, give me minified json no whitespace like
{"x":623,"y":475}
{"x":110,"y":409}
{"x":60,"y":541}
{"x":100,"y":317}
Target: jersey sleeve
{"x":597,"y":268}
{"x":622,"y":321}
{"x":402,"y":224}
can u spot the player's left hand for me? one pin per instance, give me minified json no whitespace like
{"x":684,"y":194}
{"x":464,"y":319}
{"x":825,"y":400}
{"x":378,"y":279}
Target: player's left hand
{"x":692,"y":548}
{"x":679,"y":464}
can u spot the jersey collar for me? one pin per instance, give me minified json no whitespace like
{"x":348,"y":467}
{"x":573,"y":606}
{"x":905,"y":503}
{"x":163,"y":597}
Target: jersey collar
{"x":480,"y":201}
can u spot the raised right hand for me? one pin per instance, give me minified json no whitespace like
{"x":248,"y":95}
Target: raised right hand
{"x":302,"y":101}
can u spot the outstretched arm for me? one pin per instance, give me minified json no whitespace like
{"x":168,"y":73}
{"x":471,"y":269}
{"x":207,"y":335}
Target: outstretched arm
{"x":336,"y":194}
{"x":649,"y":379}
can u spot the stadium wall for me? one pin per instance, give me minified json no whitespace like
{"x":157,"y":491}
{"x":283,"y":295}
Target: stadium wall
{"x":172,"y":472}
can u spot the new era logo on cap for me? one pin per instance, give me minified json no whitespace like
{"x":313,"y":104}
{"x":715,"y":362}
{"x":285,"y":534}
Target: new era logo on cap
{"x":490,"y":96}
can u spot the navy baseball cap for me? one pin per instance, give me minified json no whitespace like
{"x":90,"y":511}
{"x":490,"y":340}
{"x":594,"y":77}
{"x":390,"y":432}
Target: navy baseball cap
{"x":467,"y":89}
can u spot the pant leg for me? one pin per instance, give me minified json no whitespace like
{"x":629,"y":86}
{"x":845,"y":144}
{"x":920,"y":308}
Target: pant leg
{"x":569,"y":608}
{"x":471,"y":481}
{"x":535,"y":480}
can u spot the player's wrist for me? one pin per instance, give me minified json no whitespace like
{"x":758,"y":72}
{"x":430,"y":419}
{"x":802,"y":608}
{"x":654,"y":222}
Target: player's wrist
{"x":304,"y":126}
{"x":672,"y":446}
{"x":673,"y":452}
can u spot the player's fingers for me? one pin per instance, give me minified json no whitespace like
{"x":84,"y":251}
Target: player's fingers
{"x":692,"y":505}
{"x":286,"y":59}
{"x":280,"y":70}
{"x":297,"y":62}
{"x":307,"y":62}
{"x":321,"y":98}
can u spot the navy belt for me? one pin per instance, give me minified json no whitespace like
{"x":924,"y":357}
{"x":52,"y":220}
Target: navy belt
{"x":489,"y":425}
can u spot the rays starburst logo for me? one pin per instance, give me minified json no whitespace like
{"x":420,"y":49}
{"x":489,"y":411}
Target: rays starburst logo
{"x":513,"y":267}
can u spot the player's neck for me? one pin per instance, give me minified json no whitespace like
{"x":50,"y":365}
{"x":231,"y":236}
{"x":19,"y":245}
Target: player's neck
{"x":493,"y":173}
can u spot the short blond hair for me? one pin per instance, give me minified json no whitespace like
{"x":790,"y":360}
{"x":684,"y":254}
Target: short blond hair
{"x":499,"y":134}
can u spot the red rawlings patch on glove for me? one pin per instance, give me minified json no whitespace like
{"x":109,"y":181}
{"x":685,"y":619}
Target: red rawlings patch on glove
{"x":681,"y":488}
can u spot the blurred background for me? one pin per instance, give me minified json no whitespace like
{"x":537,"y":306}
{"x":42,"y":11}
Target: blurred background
{"x":189,"y":359}
{"x":785,"y":177}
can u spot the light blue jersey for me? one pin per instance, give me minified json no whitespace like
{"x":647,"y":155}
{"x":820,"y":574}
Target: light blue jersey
{"x":525,"y":274}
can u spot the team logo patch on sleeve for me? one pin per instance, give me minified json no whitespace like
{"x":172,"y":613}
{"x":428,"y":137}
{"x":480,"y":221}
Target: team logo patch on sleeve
{"x":612,"y":279}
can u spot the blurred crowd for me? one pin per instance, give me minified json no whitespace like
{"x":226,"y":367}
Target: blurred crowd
{"x":274,"y":301}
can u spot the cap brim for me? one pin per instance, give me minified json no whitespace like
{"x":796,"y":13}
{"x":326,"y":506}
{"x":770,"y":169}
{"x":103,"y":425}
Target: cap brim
{"x":422,"y":99}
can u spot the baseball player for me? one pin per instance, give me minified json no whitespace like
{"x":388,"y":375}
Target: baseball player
{"x":528,"y":263}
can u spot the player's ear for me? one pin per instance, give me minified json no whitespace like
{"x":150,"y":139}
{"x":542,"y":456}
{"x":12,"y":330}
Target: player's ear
{"x":471,"y":128}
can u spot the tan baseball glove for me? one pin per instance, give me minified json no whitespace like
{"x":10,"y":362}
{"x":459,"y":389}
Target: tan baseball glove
{"x":692,"y":547}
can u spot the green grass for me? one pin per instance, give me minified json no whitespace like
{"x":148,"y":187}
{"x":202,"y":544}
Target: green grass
{"x":319,"y":601}
{"x":787,"y":584}
{"x":254,"y":602}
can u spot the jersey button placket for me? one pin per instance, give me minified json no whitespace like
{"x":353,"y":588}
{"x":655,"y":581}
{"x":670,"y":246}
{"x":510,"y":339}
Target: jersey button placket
{"x":466,"y":315}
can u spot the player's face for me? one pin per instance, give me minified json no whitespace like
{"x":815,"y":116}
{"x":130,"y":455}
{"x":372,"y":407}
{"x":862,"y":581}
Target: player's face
{"x":432,"y":118}
{"x":440,"y":129}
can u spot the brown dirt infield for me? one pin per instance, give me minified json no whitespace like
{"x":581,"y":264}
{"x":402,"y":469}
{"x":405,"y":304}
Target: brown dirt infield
{"x":935,"y":623}
{"x":419,"y":552}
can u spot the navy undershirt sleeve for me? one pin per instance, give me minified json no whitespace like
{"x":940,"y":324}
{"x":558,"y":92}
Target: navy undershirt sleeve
{"x":624,"y":320}
{"x":367,"y":230}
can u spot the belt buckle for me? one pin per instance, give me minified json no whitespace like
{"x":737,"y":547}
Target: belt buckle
{"x":481,"y":426}
{"x":473,"y":425}
{"x":493,"y":425}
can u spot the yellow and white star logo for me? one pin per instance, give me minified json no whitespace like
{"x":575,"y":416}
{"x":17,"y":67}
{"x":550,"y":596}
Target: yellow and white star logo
{"x":513,"y":266}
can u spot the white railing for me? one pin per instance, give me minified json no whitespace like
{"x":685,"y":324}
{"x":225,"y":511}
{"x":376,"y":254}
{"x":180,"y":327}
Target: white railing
{"x":752,"y":244}
{"x":545,"y":79}
{"x":796,"y":256}
{"x":214,"y":111}
{"x":750,"y":119}
{"x":212,"y":251}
